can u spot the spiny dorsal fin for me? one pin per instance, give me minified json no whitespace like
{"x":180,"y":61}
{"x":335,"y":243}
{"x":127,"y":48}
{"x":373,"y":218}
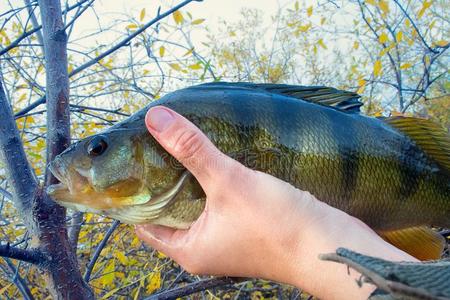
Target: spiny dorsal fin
{"x":343,"y":100}
{"x":421,"y":242}
{"x":429,"y":136}
{"x":323,"y":95}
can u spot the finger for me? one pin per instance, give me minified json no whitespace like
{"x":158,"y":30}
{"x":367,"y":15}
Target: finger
{"x":187,"y":144}
{"x":161,"y":238}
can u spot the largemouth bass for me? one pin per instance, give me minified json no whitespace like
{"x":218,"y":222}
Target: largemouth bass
{"x":391,"y":173}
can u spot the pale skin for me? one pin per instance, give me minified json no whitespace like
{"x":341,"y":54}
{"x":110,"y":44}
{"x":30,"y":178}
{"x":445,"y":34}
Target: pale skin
{"x":255,"y":225}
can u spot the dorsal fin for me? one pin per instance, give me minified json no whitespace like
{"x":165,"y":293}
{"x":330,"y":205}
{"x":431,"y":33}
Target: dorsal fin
{"x":429,"y":136}
{"x":323,"y":95}
{"x":343,"y":100}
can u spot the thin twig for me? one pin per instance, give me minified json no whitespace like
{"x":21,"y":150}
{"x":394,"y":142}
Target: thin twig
{"x":99,"y":249}
{"x":26,"y":34}
{"x":19,"y":281}
{"x":122,"y":43}
{"x":195,"y":287}
{"x":6,"y":194}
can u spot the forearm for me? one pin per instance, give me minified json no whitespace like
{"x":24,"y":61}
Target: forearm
{"x":328,"y":280}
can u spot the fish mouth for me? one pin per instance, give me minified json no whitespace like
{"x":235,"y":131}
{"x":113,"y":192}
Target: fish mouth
{"x":70,"y":179}
{"x":56,"y":166}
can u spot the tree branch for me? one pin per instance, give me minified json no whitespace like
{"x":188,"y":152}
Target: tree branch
{"x":119,"y":45}
{"x":26,"y":34}
{"x":63,"y":278}
{"x":126,"y":40}
{"x":415,"y":27}
{"x":74,"y":229}
{"x":18,"y":171}
{"x":19,"y":281}
{"x":6,"y":194}
{"x":195,"y":287}
{"x":99,"y":249}
{"x":33,"y":256}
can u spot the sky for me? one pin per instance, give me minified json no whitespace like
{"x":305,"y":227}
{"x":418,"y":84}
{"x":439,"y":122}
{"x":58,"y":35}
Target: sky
{"x":211,"y":10}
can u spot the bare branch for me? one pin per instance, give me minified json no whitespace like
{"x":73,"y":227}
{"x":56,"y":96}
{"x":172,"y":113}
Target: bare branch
{"x":19,"y":281}
{"x":23,"y":183}
{"x":6,"y":194}
{"x":415,"y":27}
{"x":122,"y":43}
{"x":126,"y":40}
{"x":26,"y":34}
{"x":195,"y":287}
{"x":99,"y":249}
{"x":33,"y":256}
{"x":64,"y":279}
{"x":75,"y":228}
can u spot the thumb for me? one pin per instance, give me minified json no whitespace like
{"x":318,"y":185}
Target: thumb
{"x":184,"y":141}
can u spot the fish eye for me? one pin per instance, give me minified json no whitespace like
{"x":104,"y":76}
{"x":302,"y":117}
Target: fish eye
{"x":97,"y":146}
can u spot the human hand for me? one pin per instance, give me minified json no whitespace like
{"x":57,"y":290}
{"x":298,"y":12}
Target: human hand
{"x":255,"y":225}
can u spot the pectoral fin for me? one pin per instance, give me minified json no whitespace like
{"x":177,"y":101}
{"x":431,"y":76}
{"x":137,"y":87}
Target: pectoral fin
{"x":420,"y":242}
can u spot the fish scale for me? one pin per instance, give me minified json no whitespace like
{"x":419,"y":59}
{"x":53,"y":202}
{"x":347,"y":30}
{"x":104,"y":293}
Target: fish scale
{"x":381,"y":171}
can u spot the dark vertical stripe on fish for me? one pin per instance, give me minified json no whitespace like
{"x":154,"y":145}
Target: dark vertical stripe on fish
{"x":346,"y":139}
{"x":409,"y":177}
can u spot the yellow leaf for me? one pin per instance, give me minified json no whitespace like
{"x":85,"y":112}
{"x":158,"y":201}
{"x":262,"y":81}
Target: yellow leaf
{"x":296,"y":6}
{"x":131,"y":26}
{"x":5,"y":288}
{"x":377,"y":68}
{"x":425,"y":6}
{"x":121,"y":257}
{"x":309,"y":11}
{"x":162,"y":50}
{"x":108,"y":278}
{"x":371,"y":2}
{"x":383,"y":38}
{"x":355,"y":45}
{"x":441,"y":43}
{"x":322,"y":44}
{"x":405,"y":66}
{"x":407,"y":23}
{"x":384,"y":6}
{"x":198,"y":21}
{"x":304,"y":28}
{"x":362,"y":86}
{"x":431,"y":26}
{"x":178,"y":17}
{"x":399,"y":36}
{"x":176,"y":67}
{"x":196,"y":66}
{"x":322,"y":20}
{"x":155,"y":282}
{"x":361,"y":89}
{"x":189,"y":52}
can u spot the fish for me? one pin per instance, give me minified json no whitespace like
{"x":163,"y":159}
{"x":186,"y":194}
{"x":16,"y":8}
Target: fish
{"x":393,"y":173}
